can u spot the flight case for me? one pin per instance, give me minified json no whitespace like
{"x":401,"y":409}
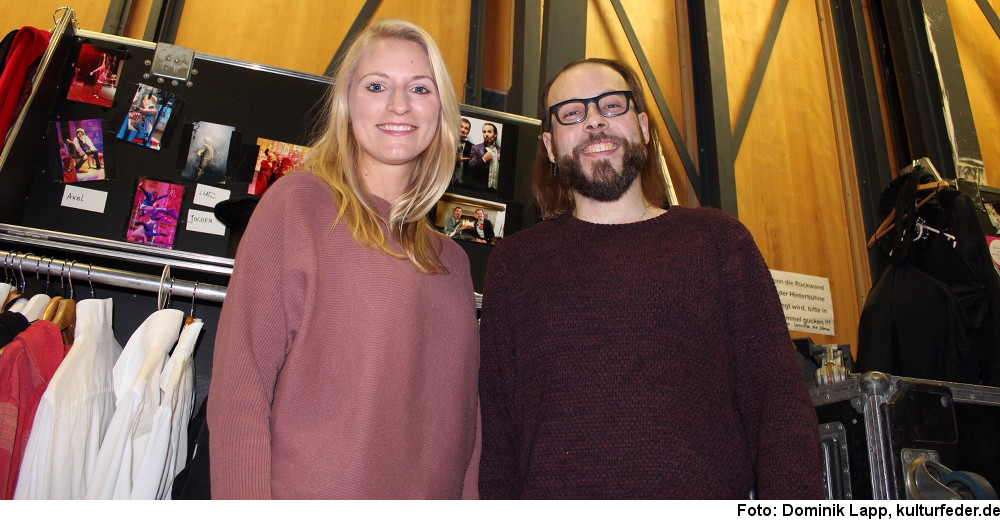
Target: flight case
{"x":876,"y":427}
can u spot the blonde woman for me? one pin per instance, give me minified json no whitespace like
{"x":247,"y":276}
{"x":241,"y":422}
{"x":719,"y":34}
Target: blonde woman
{"x":347,"y":353}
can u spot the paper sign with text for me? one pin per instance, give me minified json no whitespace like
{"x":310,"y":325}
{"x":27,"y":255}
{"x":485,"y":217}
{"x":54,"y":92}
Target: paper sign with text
{"x":84,"y":198}
{"x":807,"y":301}
{"x":204,"y":222}
{"x":994,"y":243}
{"x":209,"y":195}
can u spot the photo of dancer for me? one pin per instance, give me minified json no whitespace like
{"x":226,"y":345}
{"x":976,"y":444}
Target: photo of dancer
{"x":95,"y":79}
{"x":147,"y":117}
{"x":274,"y":160}
{"x":80,"y":150}
{"x":155,"y":212}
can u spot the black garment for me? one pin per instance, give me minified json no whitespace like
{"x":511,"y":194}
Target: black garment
{"x":11,"y":324}
{"x":5,"y":45}
{"x":935,"y":311}
{"x":194,"y":482}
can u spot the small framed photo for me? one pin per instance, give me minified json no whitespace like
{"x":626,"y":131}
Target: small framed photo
{"x":274,"y":160}
{"x":79,"y":150}
{"x":208,"y":153}
{"x":95,"y":78}
{"x":155,"y":211}
{"x":147,"y":117}
{"x":478,"y":152}
{"x":467,"y":218}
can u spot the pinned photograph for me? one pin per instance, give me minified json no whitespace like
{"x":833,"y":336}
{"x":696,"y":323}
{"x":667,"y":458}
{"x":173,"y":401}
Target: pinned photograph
{"x":155,"y":212}
{"x":80,"y":149}
{"x":274,"y":160}
{"x":467,"y":218}
{"x":208,"y":153}
{"x":95,"y":78}
{"x":477,"y":161}
{"x":147,"y":117}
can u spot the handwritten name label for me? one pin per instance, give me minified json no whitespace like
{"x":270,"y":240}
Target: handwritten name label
{"x":84,"y":198}
{"x":204,"y":222}
{"x":210,"y":195}
{"x":807,"y":301}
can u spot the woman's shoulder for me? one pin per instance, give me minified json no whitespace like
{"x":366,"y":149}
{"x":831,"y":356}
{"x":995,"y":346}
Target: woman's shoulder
{"x":295,"y":192}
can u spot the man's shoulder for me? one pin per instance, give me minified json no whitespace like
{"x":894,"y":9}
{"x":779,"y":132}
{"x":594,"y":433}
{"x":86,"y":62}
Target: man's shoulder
{"x":533,"y":239}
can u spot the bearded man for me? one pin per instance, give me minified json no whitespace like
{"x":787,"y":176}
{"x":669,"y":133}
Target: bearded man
{"x":630,"y":349}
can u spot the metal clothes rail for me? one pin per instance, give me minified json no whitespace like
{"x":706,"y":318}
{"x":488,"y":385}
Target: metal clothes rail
{"x":16,"y":264}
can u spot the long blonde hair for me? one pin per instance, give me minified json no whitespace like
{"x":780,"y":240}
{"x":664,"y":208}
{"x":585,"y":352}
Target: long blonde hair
{"x":335,"y":152}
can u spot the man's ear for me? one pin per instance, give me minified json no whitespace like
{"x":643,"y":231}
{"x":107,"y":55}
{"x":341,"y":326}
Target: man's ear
{"x":547,"y":141}
{"x":644,"y":126}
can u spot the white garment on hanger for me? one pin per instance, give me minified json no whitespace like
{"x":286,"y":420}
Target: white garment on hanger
{"x":166,"y":454}
{"x":4,"y":292}
{"x":137,"y":393}
{"x":18,"y":305}
{"x":35,"y":307}
{"x":74,"y":411}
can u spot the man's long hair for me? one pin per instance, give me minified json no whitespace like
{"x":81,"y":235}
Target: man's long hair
{"x":553,"y":195}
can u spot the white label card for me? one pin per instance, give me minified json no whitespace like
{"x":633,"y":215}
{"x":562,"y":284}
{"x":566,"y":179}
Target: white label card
{"x":84,"y":198}
{"x":807,"y":301}
{"x":210,"y":195}
{"x":204,"y":222}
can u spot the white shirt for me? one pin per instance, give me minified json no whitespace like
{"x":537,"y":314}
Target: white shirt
{"x":74,"y":411}
{"x":137,"y":391}
{"x":166,"y":454}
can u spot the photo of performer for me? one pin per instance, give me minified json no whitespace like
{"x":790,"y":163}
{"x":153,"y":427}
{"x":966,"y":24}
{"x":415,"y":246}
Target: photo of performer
{"x":87,"y":147}
{"x":477,"y":161}
{"x":80,"y":150}
{"x":485,"y":159}
{"x":208,"y":153}
{"x":155,"y":213}
{"x":95,"y":79}
{"x":464,"y":150}
{"x":147,"y":117}
{"x":274,"y":160}
{"x":467,"y":218}
{"x":482,"y":230}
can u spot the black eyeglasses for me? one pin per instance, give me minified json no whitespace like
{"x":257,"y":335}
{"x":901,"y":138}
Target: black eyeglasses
{"x":609,"y":104}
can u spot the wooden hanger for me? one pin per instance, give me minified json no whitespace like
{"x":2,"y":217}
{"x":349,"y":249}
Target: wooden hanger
{"x":65,"y":319}
{"x":50,"y":309}
{"x":889,"y":223}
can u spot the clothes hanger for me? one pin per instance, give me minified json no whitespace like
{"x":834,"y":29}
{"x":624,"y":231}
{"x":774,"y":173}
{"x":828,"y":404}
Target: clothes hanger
{"x":65,"y":316}
{"x":190,"y":318}
{"x":15,"y":292}
{"x":889,"y":223}
{"x":5,"y":286}
{"x":50,"y":309}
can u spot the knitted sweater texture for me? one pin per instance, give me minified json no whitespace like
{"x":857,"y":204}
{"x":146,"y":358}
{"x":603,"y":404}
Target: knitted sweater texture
{"x":340,"y":371}
{"x":645,"y":360}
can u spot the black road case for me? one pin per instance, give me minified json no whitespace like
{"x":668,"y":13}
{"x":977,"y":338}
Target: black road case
{"x":877,"y":428}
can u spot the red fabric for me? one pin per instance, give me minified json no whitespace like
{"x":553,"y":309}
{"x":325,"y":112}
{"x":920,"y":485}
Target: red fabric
{"x":29,"y":44}
{"x":26,"y":367}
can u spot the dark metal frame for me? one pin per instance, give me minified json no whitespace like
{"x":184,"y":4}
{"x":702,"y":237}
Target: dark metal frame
{"x":717,"y":181}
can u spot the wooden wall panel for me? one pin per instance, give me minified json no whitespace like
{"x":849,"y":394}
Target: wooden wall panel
{"x":90,"y":14}
{"x":789,"y":183}
{"x":305,"y":38}
{"x":979,"y":51}
{"x":655,"y":25}
{"x":497,"y":73}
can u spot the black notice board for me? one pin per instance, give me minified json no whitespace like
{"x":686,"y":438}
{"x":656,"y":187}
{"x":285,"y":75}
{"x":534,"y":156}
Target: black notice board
{"x":258,"y":102}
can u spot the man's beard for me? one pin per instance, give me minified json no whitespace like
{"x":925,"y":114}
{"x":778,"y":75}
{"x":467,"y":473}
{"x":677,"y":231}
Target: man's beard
{"x":605,"y":183}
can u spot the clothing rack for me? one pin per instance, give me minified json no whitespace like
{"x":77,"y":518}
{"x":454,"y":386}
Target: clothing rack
{"x":53,"y":269}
